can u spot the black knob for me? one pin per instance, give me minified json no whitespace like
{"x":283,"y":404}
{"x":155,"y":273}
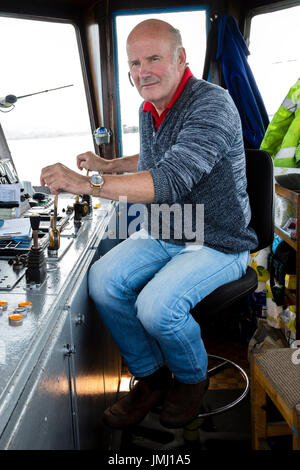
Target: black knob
{"x":35,"y":221}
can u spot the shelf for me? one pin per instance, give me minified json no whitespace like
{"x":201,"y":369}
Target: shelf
{"x":287,"y":193}
{"x":285,"y":236}
{"x":293,"y":296}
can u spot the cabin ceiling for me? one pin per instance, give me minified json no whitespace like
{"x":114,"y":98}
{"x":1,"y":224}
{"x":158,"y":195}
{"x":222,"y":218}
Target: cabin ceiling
{"x":74,"y":7}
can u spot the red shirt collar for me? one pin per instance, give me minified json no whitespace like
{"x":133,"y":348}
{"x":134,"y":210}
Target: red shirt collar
{"x":150,"y":107}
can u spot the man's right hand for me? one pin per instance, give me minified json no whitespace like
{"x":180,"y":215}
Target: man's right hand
{"x":91,"y":161}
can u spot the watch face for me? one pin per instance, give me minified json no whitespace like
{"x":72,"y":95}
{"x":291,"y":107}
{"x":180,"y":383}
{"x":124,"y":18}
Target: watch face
{"x":96,"y":179}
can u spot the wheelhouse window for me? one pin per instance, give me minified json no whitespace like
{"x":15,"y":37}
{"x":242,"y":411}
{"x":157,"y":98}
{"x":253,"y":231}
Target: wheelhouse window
{"x":275,"y":54}
{"x":192,"y":24}
{"x":49,"y":127}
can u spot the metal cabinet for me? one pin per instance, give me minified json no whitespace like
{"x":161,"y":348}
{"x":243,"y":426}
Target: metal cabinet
{"x":62,"y":367}
{"x":88,"y":354}
{"x":43,"y":416}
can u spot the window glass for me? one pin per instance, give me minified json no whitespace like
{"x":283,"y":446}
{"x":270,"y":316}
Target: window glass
{"x":47,"y":127}
{"x":192,"y":25}
{"x":275,"y":54}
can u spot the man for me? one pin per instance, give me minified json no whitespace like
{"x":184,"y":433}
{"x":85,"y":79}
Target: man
{"x":191,"y":153}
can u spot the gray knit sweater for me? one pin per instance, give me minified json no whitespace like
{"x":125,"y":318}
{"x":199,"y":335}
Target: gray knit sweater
{"x":197,"y":162}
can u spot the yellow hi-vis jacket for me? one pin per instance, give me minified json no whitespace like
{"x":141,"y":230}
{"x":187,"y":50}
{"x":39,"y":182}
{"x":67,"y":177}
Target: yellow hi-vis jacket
{"x":282,"y":137}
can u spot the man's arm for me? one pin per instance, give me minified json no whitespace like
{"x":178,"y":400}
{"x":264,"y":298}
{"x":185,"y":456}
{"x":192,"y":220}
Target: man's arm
{"x":91,"y":161}
{"x":137,"y":187}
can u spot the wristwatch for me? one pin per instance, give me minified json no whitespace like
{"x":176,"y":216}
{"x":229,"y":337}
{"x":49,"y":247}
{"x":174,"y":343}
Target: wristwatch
{"x":96,"y":183}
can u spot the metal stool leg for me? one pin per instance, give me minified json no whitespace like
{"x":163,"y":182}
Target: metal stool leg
{"x":224,"y":363}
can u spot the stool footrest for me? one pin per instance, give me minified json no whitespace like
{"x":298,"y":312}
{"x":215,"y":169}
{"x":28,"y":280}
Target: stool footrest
{"x":216,"y":369}
{"x":222,"y":409}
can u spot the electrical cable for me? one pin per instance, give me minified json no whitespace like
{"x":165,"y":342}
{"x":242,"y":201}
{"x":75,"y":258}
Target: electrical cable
{"x":8,"y":110}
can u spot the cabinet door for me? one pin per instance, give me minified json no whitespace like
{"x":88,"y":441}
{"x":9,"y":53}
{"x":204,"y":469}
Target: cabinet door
{"x":88,"y":369}
{"x":92,"y":376}
{"x":43,"y":417}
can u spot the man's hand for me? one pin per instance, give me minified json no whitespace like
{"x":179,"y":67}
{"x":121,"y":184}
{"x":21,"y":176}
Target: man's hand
{"x":137,"y":187}
{"x":60,"y":178}
{"x":91,"y":161}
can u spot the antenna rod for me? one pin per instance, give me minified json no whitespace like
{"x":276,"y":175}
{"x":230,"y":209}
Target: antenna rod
{"x":45,"y":91}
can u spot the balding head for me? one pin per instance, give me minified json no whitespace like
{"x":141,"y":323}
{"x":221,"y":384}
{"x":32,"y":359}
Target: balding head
{"x":159,"y":29}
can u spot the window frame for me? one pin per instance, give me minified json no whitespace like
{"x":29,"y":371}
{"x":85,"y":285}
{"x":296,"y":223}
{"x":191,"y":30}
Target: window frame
{"x":115,"y":14}
{"x":269,"y":8}
{"x":82,"y":51}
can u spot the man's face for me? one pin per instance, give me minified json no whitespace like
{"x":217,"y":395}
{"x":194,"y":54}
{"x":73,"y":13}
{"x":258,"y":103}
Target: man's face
{"x":154,"y":69}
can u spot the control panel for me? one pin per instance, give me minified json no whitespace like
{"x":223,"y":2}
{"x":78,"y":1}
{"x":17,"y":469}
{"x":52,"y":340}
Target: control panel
{"x":63,"y":230}
{"x":37,"y":282}
{"x":57,"y":360}
{"x":56,"y":223}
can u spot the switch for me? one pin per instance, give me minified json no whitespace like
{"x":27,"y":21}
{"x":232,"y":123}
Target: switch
{"x":27,"y":305}
{"x":21,"y":310}
{"x":16,"y":319}
{"x":3,"y":305}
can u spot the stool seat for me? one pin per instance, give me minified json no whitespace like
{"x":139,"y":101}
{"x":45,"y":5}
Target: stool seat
{"x":275,"y":373}
{"x":278,"y":367}
{"x":228,"y":294}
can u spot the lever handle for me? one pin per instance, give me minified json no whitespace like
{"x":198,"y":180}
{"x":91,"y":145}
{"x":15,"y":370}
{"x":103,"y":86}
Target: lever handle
{"x":55,"y":211}
{"x":35,"y":221}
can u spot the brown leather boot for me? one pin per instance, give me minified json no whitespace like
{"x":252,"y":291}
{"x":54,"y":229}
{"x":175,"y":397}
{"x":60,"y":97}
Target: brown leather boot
{"x":134,"y":406}
{"x":182,"y":404}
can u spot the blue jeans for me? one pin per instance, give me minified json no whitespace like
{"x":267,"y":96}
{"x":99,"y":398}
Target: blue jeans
{"x":144,"y":290}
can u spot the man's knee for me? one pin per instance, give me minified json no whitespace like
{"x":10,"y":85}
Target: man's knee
{"x":152,"y":312}
{"x":99,"y":279}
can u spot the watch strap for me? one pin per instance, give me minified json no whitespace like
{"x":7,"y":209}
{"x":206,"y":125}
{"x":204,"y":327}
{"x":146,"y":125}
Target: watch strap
{"x":96,"y":190}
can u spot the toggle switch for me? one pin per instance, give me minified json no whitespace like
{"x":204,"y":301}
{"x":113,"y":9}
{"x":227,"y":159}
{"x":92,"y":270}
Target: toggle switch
{"x":16,"y":319}
{"x":21,"y":310}
{"x":27,"y":305}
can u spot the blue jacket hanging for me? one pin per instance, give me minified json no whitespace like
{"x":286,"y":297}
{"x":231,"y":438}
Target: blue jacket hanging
{"x":232,"y":55}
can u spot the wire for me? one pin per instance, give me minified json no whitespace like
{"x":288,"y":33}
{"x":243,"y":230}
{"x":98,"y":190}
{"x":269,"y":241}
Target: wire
{"x":9,"y":109}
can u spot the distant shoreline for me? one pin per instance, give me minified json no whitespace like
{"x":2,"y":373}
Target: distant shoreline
{"x":46,"y":136}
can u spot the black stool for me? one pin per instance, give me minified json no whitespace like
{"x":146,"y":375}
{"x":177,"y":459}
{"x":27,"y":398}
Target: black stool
{"x":260,"y":188}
